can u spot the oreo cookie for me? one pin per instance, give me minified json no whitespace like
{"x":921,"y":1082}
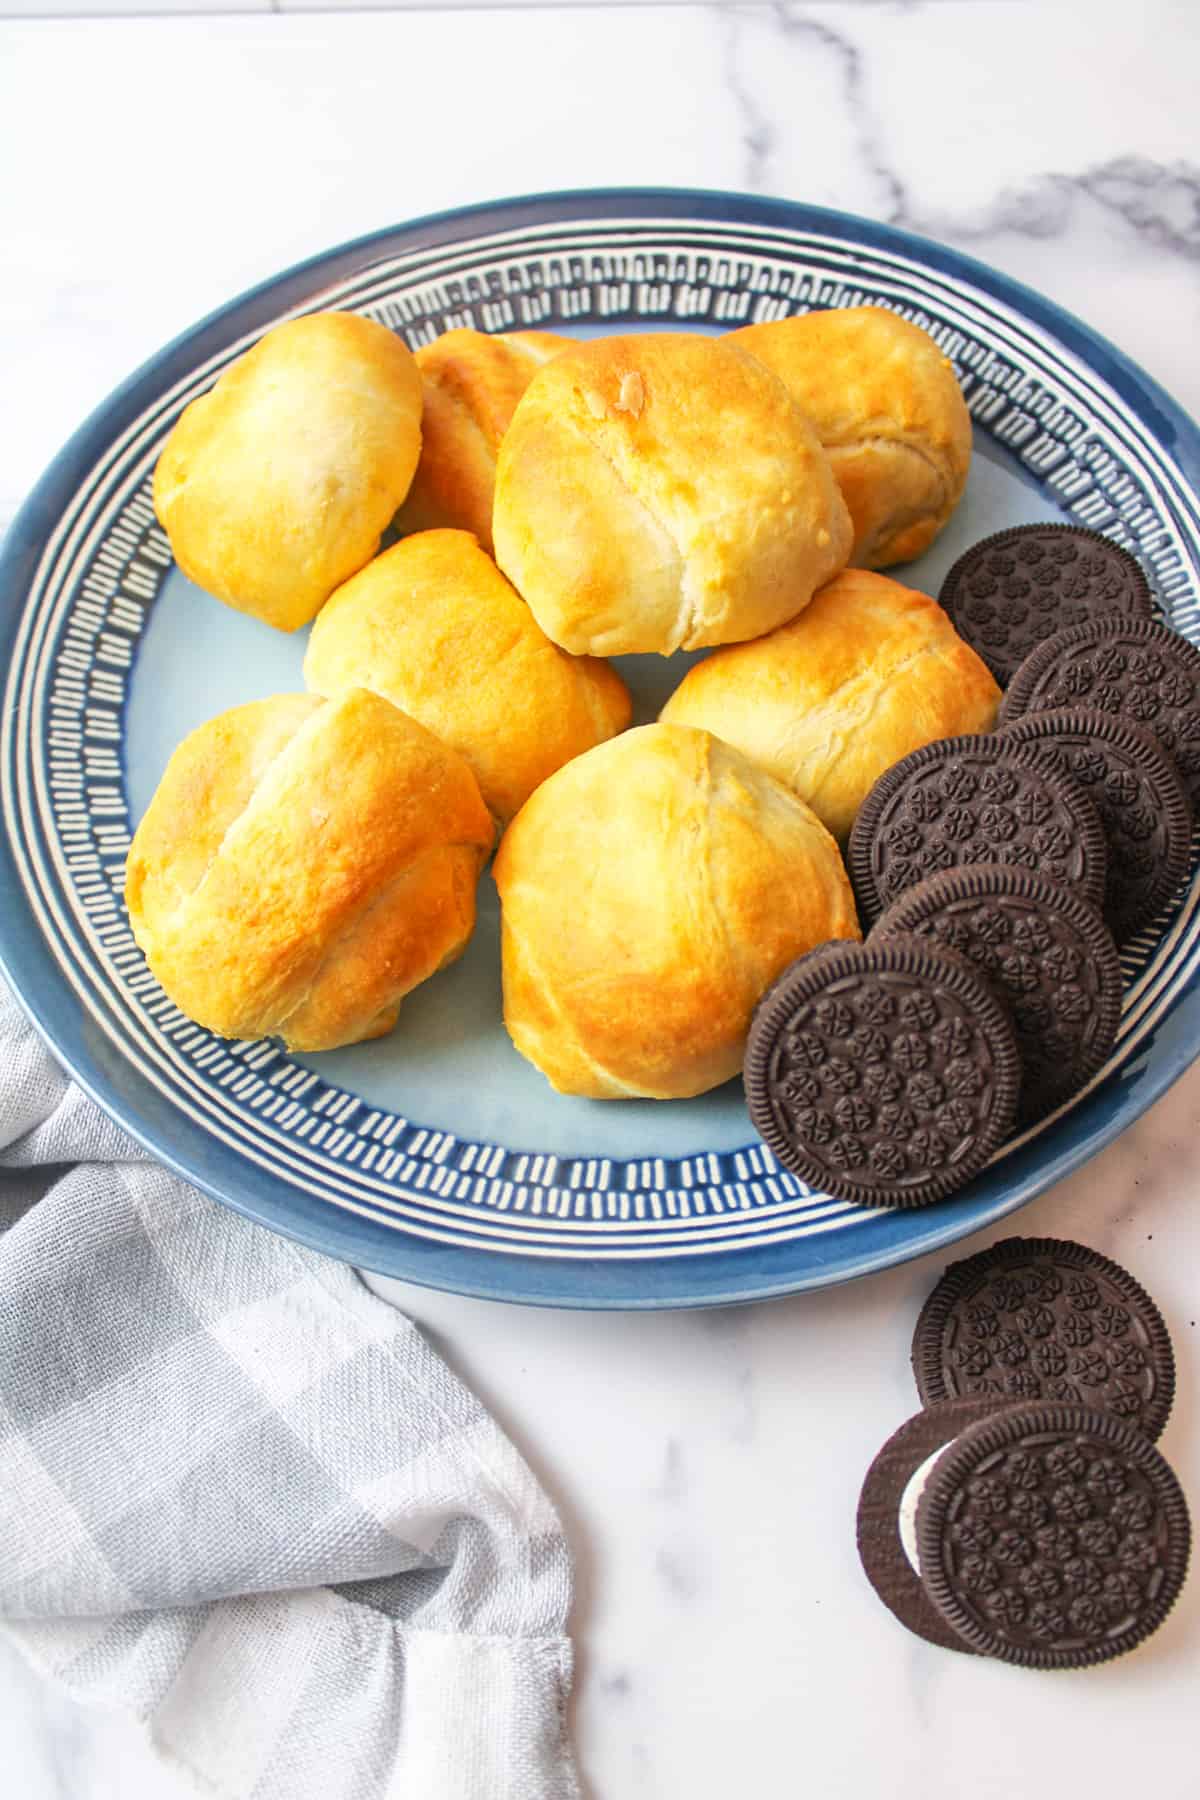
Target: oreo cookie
{"x":885,"y":1527}
{"x":1047,"y":954}
{"x":1043,"y":1319}
{"x":1139,"y":797}
{"x":969,"y":800}
{"x":1052,"y":1536}
{"x":885,"y":1074}
{"x":1135,"y":669}
{"x":1013,"y":590}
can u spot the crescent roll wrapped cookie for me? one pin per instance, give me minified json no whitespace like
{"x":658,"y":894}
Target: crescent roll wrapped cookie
{"x":433,"y":626}
{"x":303,"y":865}
{"x":277,"y":484}
{"x":661,"y":493}
{"x":471,"y":382}
{"x":887,"y":406}
{"x":868,"y":672}
{"x":651,"y":892}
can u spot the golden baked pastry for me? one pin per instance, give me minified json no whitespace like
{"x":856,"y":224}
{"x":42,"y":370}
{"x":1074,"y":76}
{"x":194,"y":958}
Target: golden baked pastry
{"x":433,"y":626}
{"x":651,"y":892}
{"x":662,"y":493}
{"x":472,"y":381}
{"x":888,"y":408}
{"x":868,"y":672}
{"x":304,"y":864}
{"x":277,"y":484}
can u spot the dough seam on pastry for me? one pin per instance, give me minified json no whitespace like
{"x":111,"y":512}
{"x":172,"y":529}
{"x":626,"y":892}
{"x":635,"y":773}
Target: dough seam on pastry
{"x":498,"y":653}
{"x":381,"y":897}
{"x":598,"y":714}
{"x":736,"y":956}
{"x":882,"y":440}
{"x":864,"y":721}
{"x":553,"y":1000}
{"x":690,"y":615}
{"x":733,"y":956}
{"x":462,"y":412}
{"x":705,"y":523}
{"x":279,"y":1027}
{"x":680,"y":561}
{"x":885,"y":534}
{"x":284,"y":750}
{"x":176,"y":921}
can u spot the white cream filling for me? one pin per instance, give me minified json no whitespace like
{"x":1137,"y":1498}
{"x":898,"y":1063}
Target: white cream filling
{"x":910,"y":1499}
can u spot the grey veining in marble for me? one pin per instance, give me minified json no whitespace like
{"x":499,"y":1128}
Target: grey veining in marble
{"x":1160,"y":201}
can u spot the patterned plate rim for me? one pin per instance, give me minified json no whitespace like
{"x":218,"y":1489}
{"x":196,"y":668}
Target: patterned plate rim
{"x":654,"y":1274}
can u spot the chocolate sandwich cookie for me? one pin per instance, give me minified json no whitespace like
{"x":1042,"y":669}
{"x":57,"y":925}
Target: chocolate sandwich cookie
{"x":1043,"y":1319}
{"x":886,"y":1521}
{"x":965,"y":800}
{"x":1048,"y":955}
{"x":883,"y":1073}
{"x":1052,"y":1536}
{"x":1139,"y":797}
{"x":1012,"y":590}
{"x":1130,"y":668}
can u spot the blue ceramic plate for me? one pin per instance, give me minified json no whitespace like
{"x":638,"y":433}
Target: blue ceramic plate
{"x":438,"y":1154}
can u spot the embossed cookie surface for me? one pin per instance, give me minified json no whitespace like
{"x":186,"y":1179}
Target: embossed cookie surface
{"x":972,"y":800}
{"x":1047,"y":954}
{"x":1011,"y":591}
{"x":1046,"y":1319}
{"x":1139,"y":797}
{"x":885,"y":1074}
{"x":1054,"y":1537}
{"x":1131,"y":668}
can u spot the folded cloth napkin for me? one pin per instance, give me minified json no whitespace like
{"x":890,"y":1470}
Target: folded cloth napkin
{"x":243,"y":1500}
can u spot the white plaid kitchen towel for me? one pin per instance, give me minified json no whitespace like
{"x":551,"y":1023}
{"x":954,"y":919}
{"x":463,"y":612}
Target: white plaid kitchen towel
{"x":243,"y":1500}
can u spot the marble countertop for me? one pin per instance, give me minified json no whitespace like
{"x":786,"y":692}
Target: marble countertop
{"x":707,"y":1465}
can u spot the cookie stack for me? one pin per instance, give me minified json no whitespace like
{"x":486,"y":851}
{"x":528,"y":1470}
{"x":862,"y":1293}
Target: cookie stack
{"x":1025,"y":1513}
{"x":1106,"y":693}
{"x":1018,"y":860}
